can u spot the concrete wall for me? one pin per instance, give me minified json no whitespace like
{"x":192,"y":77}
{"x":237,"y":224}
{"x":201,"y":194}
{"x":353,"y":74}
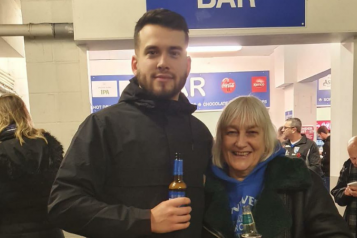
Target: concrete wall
{"x":57,"y":73}
{"x":16,"y":67}
{"x":10,"y":13}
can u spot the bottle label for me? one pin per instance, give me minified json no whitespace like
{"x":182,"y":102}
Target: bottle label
{"x":247,"y":219}
{"x":176,"y":194}
{"x":178,"y":167}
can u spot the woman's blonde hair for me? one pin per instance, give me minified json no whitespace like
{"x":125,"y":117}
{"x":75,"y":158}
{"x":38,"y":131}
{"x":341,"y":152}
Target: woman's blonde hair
{"x":249,"y":110}
{"x":13,"y":111}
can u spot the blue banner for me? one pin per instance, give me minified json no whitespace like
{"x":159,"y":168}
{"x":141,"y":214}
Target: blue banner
{"x":206,"y":14}
{"x":209,"y":91}
{"x":288,"y":114}
{"x":324,"y":91}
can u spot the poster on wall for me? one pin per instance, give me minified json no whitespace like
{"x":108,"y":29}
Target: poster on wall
{"x":308,"y":131}
{"x":324,"y":91}
{"x":208,"y":14}
{"x":288,"y":114}
{"x":326,"y":123}
{"x":106,"y":90}
{"x":209,"y":91}
{"x":322,"y":123}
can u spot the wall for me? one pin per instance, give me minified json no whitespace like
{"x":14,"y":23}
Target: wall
{"x":10,"y":13}
{"x":294,"y":65}
{"x":16,"y":67}
{"x":12,"y":49}
{"x":106,"y":64}
{"x":323,"y":114}
{"x":57,"y":73}
{"x":276,"y":109}
{"x":312,"y":59}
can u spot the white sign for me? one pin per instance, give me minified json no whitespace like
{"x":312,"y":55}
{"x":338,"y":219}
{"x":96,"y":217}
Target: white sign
{"x":325,"y":83}
{"x":219,"y":3}
{"x":104,"y":89}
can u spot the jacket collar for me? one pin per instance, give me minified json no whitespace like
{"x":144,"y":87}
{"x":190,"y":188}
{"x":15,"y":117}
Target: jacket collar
{"x":303,"y":140}
{"x":136,"y":95}
{"x":8,"y":132}
{"x":287,"y":174}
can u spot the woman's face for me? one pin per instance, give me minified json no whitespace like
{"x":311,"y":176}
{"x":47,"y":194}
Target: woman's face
{"x":242,"y":148}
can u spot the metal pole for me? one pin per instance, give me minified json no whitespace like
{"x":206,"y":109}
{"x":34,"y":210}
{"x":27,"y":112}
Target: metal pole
{"x":37,"y":30}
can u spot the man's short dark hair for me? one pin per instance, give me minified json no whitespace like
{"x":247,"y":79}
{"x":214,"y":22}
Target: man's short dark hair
{"x":322,"y":129}
{"x":295,"y":122}
{"x":161,"y":17}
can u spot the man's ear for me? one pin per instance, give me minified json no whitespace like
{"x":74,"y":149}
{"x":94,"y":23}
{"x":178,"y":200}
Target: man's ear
{"x":134,"y":64}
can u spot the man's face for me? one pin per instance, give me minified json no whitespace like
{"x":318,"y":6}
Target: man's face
{"x":161,"y":64}
{"x":323,"y":135}
{"x":288,"y":130}
{"x":352,"y":152}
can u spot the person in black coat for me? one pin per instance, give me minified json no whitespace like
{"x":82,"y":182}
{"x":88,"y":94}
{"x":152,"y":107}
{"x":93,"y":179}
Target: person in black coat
{"x":115,"y":176}
{"x":29,"y":160}
{"x":298,"y":145}
{"x":325,"y":161}
{"x":345,"y":194}
{"x":288,"y":200}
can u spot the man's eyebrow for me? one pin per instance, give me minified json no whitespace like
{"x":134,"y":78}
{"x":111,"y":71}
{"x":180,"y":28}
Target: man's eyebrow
{"x":175,"y":48}
{"x":150,"y":47}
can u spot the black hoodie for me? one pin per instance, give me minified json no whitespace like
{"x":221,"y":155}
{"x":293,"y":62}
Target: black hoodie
{"x":119,"y":166}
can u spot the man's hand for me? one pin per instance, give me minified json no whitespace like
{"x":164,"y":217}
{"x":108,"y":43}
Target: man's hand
{"x":351,"y":191}
{"x":171,"y":215}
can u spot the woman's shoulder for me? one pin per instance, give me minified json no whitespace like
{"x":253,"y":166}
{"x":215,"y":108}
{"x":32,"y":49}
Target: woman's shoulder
{"x":286,"y":173}
{"x":55,"y":150}
{"x":18,"y":159}
{"x":52,"y":140}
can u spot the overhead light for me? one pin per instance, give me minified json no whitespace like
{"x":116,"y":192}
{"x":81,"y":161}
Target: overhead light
{"x":194,"y":49}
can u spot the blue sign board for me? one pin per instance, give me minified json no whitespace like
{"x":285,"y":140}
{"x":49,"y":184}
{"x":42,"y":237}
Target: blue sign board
{"x":323,"y":86}
{"x":288,"y":114}
{"x":324,"y":91}
{"x":209,"y":91}
{"x":206,"y":14}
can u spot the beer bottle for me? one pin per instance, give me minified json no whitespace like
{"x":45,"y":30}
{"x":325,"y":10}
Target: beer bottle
{"x":249,"y":229}
{"x":178,"y":187}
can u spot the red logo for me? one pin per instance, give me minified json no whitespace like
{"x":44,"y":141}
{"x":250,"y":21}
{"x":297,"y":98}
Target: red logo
{"x":259,"y":84}
{"x":228,"y":85}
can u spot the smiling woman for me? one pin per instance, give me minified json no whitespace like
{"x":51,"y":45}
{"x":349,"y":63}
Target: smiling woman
{"x":245,"y":120}
{"x":250,"y":169}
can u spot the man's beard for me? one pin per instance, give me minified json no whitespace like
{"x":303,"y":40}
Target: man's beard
{"x":147,"y":86}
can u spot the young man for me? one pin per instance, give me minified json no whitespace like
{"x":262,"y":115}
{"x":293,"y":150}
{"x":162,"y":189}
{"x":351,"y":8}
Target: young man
{"x":115,"y":177}
{"x":347,"y":195}
{"x":326,"y":138}
{"x":298,"y":146}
